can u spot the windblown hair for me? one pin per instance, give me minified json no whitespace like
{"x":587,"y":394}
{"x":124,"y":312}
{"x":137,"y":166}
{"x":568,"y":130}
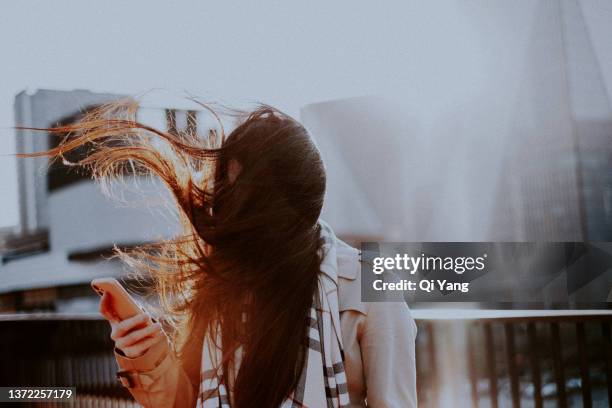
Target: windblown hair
{"x":245,"y":266}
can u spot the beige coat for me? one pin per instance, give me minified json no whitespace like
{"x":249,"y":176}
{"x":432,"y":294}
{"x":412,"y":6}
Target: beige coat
{"x":378,"y":340}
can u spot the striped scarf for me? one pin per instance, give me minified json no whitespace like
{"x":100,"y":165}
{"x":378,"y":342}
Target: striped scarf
{"x":323,"y":380}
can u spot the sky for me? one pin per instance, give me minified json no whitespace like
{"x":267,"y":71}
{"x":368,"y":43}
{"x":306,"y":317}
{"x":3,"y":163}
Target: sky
{"x":286,"y":54}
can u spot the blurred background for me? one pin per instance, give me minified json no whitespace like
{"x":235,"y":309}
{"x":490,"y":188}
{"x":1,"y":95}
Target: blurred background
{"x":438,"y":121}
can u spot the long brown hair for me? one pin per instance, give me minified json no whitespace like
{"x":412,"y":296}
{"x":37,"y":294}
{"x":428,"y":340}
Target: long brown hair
{"x":246,"y":264}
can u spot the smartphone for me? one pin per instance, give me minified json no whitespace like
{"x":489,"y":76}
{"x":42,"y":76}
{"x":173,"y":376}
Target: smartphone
{"x":122,"y":303}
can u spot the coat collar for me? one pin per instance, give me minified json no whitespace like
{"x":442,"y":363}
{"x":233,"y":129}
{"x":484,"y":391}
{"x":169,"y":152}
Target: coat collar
{"x":341,"y":267}
{"x":329,"y":265}
{"x":329,"y":277}
{"x":340,"y":260}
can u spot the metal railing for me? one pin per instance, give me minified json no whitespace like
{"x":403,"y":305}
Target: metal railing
{"x":51,"y":350}
{"x":515,"y":358}
{"x":464,"y":358}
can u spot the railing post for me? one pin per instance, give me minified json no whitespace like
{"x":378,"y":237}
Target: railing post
{"x":431,"y":345}
{"x":583,"y":357}
{"x":511,"y":358}
{"x":607,"y":353}
{"x":492,"y":371}
{"x":558,"y":364}
{"x":535,"y":364}
{"x":472,"y":368}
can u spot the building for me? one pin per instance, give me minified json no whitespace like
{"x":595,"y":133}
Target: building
{"x":67,"y":225}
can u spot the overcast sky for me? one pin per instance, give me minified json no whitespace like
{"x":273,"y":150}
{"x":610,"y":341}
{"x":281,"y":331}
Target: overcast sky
{"x":283,"y":53}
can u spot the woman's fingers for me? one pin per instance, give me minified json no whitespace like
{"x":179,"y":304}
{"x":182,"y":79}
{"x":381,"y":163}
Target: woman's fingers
{"x":138,"y":349}
{"x":133,"y":336}
{"x":136,"y":336}
{"x":123,"y":327}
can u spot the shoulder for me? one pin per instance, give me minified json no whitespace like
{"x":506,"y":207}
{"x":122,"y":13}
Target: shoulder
{"x":349,"y":282}
{"x":349,"y":291}
{"x":341,"y":263}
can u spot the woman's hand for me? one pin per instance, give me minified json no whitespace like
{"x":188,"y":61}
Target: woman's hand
{"x":133,"y":336}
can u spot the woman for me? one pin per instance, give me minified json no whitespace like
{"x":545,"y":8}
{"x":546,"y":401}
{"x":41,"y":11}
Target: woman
{"x":261,"y":300}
